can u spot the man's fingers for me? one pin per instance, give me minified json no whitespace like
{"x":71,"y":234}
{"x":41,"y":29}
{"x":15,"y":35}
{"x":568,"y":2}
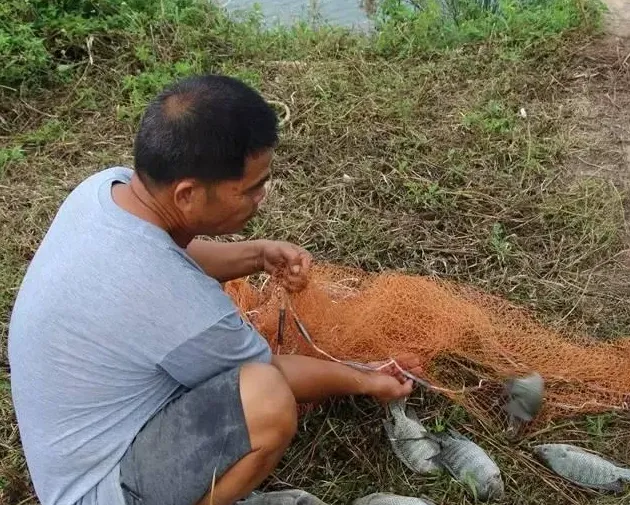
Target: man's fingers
{"x":306,"y":260}
{"x":295,"y":282}
{"x":401,"y":378}
{"x":300,"y":263}
{"x":292,"y":257}
{"x":408,"y":386}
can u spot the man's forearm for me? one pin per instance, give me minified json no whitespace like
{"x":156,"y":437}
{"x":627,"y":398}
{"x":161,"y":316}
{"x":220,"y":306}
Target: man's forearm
{"x":313,"y":379}
{"x":226,"y":261}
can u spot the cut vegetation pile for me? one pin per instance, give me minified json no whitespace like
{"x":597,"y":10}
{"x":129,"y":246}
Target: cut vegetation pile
{"x":487,"y":150}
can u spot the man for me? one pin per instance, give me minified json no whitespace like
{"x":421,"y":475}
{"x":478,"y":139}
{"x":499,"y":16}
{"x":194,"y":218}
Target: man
{"x":134,"y":378}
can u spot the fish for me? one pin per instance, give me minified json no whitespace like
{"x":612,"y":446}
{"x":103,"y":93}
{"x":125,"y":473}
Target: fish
{"x":583,"y":468}
{"x":410,"y":439}
{"x":524,"y":397}
{"x":284,"y":497}
{"x":391,"y":499}
{"x":469,"y":464}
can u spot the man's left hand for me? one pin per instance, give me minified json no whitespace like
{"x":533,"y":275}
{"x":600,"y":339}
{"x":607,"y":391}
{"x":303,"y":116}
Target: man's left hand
{"x":276,"y":255}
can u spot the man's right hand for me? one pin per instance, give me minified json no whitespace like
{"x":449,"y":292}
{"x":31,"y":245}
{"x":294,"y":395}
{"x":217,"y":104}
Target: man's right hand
{"x":386,"y":388}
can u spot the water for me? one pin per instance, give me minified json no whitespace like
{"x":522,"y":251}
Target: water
{"x":346,"y":13}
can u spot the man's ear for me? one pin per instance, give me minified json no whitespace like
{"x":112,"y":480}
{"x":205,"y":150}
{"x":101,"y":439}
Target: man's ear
{"x":188,"y":194}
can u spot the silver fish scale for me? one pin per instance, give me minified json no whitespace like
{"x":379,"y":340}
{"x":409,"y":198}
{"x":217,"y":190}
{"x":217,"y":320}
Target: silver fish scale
{"x":285,"y":497}
{"x":584,"y":467}
{"x":469,"y":463}
{"x":599,"y":471}
{"x":391,"y":499}
{"x":467,"y":457}
{"x":410,"y":442}
{"x":413,"y":447}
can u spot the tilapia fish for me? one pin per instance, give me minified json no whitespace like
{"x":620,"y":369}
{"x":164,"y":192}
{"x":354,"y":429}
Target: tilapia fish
{"x":285,"y":497}
{"x":524,"y":397}
{"x":391,"y":499}
{"x":583,"y":468}
{"x":470,"y":464}
{"x":410,"y":440}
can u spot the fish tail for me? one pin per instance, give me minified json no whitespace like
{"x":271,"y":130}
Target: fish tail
{"x":397,"y":408}
{"x":625,"y":474}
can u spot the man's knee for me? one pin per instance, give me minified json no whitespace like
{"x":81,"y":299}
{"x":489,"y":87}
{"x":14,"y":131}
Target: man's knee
{"x":269,"y":405}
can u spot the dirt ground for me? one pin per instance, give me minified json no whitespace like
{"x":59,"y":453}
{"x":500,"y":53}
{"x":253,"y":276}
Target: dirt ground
{"x":602,"y":101}
{"x":619,"y":17}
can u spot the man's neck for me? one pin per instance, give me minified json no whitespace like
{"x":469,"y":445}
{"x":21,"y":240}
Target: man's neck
{"x":136,"y":199}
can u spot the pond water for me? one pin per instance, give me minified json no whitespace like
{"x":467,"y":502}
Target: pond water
{"x":346,"y":13}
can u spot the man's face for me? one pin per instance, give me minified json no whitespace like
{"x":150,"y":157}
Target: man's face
{"x":229,"y":205}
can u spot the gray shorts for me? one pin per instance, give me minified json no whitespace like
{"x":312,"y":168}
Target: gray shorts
{"x":174,"y":457}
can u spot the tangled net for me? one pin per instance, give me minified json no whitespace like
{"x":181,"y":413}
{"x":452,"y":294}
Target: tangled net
{"x":468,"y":342}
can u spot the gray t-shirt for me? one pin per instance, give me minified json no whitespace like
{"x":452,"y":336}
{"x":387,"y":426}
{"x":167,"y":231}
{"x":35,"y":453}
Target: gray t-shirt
{"x":112,"y":319}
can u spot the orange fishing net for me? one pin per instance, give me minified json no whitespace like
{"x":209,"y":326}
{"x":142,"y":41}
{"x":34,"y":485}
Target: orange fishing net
{"x":469,"y":342}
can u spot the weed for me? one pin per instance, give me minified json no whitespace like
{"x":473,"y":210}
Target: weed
{"x":139,"y":89}
{"x":9,"y":154}
{"x":500,"y":242}
{"x":493,"y":118}
{"x":51,"y":130}
{"x":405,"y":29}
{"x":597,"y":426}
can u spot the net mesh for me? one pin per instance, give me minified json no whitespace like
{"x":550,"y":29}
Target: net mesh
{"x":468,"y":342}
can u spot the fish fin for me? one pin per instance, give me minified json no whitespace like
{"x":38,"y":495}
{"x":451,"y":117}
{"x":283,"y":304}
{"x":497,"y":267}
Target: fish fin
{"x":413,"y":415}
{"x":582,"y":450}
{"x":469,"y":482}
{"x":615,"y":486}
{"x":438,"y":438}
{"x":427,"y":500}
{"x":389,"y":430}
{"x":625,"y":474}
{"x":363,"y":500}
{"x":575,"y":448}
{"x":441,"y":463}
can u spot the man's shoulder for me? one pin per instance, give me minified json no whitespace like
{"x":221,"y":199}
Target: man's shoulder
{"x":115,"y":172}
{"x":88,"y":188}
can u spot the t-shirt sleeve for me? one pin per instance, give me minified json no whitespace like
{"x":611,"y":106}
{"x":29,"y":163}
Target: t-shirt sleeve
{"x":226,"y":344}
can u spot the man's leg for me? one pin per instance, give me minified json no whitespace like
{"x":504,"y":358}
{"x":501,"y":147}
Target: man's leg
{"x":271,"y":416}
{"x":234,"y":427}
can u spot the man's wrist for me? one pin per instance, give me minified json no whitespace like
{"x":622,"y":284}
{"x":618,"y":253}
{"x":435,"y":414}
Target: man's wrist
{"x":369,"y":383}
{"x":259,"y":254}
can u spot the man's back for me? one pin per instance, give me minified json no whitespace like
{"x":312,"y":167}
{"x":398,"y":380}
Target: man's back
{"x":112,"y":320}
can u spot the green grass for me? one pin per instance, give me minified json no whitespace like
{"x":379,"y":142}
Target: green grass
{"x":403,"y":150}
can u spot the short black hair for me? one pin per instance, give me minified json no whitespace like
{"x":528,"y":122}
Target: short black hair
{"x":203,"y":127}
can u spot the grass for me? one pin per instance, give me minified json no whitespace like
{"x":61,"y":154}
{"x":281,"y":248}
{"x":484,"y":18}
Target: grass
{"x":407,"y":150}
